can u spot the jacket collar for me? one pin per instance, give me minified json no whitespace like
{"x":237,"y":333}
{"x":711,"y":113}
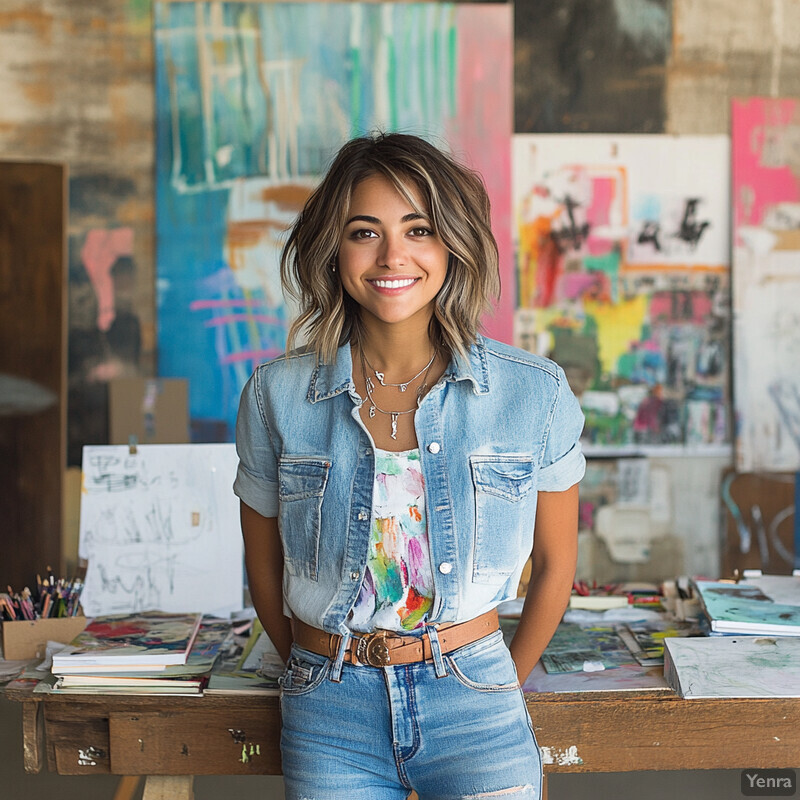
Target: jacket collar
{"x":328,"y":380}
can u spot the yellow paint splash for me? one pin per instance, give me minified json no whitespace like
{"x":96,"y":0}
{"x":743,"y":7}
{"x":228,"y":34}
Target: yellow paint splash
{"x":618,"y":325}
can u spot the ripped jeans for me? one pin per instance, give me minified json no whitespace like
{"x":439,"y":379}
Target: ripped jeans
{"x":451,"y":729}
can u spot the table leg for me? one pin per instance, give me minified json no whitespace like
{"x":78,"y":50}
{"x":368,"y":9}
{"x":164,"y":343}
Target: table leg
{"x":31,"y":736}
{"x":544,"y":786}
{"x":168,"y":787}
{"x":127,"y":786}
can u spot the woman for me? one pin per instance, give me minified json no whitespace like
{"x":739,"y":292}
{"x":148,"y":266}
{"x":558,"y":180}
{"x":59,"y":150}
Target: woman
{"x":390,"y":475}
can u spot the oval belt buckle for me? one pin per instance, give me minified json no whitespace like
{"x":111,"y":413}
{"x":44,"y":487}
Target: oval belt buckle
{"x":373,"y":650}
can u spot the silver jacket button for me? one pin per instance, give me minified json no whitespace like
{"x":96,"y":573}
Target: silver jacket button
{"x":434,"y":447}
{"x":445,"y":567}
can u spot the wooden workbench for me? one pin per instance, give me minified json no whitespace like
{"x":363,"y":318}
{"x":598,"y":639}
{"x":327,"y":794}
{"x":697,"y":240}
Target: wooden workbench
{"x":171,"y":739}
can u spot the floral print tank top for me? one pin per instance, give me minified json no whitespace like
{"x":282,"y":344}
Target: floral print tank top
{"x":397,"y":590}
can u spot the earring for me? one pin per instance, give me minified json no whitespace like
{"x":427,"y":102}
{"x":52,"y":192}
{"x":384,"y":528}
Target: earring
{"x":332,"y":264}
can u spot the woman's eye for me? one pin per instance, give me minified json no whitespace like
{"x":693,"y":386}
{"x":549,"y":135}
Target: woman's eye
{"x":421,"y":232}
{"x":363,"y":233}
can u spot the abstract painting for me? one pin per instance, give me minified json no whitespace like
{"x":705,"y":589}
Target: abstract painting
{"x":253,"y":99}
{"x":622,"y":278}
{"x":766,"y":284}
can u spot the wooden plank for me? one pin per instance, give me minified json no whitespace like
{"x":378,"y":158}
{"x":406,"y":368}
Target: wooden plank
{"x":32,"y":330}
{"x":666,"y":734}
{"x":615,"y":732}
{"x":168,"y":787}
{"x":199,"y":742}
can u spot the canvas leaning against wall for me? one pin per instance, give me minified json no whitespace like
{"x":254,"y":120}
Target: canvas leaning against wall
{"x":622,"y":246}
{"x":253,"y":99}
{"x":766,"y":283}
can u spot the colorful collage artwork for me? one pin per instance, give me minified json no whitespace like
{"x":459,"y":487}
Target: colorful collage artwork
{"x":623,"y":274}
{"x":766,"y":283}
{"x":253,"y":99}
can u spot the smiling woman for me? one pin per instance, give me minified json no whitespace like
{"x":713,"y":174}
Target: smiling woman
{"x":393,"y":475}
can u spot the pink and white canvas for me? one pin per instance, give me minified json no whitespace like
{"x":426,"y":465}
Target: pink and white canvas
{"x":766,"y":283}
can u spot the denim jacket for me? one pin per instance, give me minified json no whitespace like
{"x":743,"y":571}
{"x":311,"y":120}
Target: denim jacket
{"x":498,"y":427}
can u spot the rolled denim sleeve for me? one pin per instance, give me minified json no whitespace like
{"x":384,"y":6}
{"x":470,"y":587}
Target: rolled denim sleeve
{"x":256,"y":481}
{"x":563,"y":463}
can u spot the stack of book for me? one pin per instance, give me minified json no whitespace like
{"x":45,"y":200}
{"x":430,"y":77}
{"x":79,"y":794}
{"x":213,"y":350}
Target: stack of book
{"x":150,"y":652}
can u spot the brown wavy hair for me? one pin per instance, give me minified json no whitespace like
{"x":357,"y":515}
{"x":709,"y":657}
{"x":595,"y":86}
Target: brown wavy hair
{"x":458,"y":207}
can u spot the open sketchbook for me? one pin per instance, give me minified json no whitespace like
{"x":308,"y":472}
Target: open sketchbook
{"x":733,"y":666}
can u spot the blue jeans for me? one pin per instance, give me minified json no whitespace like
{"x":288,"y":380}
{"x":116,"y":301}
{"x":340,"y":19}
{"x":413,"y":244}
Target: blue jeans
{"x":377,"y":733}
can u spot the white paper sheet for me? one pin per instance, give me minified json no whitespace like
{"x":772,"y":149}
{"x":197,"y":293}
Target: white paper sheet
{"x":160,"y":529}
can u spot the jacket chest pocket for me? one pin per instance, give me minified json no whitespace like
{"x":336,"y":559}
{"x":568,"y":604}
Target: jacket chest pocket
{"x":503,"y":485}
{"x":301,"y":487}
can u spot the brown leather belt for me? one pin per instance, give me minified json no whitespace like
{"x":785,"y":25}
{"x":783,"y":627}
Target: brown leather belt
{"x":385,"y":648}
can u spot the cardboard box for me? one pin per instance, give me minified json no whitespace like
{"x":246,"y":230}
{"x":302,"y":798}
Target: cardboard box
{"x":27,"y":639}
{"x":154,"y":410}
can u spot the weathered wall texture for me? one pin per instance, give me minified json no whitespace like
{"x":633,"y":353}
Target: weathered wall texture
{"x":594,"y":66}
{"x":724,"y":49}
{"x":76,"y":84}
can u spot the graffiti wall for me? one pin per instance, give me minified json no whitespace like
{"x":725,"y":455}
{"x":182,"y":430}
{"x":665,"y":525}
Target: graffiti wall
{"x":622,"y":277}
{"x":253,"y":99}
{"x":766,"y":283}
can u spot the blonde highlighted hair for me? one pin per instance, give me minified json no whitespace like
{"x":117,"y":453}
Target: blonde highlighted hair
{"x":457,"y":205}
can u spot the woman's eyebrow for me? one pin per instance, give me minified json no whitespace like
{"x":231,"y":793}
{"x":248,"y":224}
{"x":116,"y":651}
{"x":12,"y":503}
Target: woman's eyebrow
{"x":375,"y":221}
{"x":364,"y":218}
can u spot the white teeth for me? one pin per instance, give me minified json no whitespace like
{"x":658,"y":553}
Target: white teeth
{"x":395,"y":284}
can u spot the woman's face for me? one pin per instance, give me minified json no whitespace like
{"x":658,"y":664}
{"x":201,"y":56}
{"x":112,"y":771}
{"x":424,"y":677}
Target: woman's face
{"x":390,"y":261}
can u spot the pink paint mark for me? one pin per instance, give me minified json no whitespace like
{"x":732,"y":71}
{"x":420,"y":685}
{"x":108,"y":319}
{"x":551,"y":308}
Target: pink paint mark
{"x":416,"y":560}
{"x":587,"y":512}
{"x":761,"y":175}
{"x":100,"y":250}
{"x":577,"y":284}
{"x":413,"y":482}
{"x":599,"y":212}
{"x":649,"y":414}
{"x":265,"y":318}
{"x":256,"y":356}
{"x":599,"y":246}
{"x":480,"y":132}
{"x":680,"y":307}
{"x":199,"y":305}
